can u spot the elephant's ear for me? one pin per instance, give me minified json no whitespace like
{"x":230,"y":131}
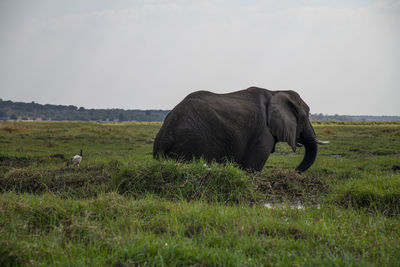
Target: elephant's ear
{"x":282,"y":118}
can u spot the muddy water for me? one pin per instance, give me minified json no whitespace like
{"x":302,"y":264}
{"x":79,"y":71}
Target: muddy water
{"x":294,"y":206}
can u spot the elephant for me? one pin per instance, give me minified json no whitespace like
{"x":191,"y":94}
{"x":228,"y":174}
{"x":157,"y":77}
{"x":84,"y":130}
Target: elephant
{"x":242,"y":126}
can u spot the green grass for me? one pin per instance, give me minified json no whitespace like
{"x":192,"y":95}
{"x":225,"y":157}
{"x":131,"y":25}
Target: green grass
{"x":376,"y":193}
{"x":195,"y":181}
{"x":112,"y":229}
{"x":122,"y":208}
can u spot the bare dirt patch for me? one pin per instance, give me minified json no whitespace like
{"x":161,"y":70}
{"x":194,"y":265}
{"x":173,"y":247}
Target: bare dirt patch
{"x":287,"y":185}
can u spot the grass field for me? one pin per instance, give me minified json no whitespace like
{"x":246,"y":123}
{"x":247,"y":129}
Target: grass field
{"x":122,"y":208}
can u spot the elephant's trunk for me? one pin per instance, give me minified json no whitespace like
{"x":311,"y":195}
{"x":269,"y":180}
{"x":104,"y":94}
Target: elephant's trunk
{"x":311,"y":148}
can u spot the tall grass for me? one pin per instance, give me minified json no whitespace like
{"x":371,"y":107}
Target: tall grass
{"x":380,"y":194}
{"x":117,"y":230}
{"x":193,"y":181}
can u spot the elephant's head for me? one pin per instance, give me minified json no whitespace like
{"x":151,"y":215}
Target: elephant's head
{"x":288,"y":120}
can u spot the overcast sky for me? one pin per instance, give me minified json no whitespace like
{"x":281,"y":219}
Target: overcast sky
{"x":342,"y":57}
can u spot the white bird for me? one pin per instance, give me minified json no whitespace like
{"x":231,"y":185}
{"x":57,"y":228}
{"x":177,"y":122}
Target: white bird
{"x":75,"y":160}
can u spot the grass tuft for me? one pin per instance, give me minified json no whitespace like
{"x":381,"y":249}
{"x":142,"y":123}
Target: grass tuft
{"x":381,"y":194}
{"x":11,"y":254}
{"x":71,"y":182}
{"x":192,"y":181}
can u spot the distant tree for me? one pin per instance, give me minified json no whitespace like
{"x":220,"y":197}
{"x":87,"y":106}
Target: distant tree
{"x":121,"y":117}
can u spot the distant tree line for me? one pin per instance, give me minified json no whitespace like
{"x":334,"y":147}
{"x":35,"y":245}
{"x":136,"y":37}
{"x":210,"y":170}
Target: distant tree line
{"x":10,"y":110}
{"x":336,"y":117}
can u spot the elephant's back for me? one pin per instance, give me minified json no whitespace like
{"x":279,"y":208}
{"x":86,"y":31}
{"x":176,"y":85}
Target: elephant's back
{"x":204,"y":120}
{"x":205,"y":112}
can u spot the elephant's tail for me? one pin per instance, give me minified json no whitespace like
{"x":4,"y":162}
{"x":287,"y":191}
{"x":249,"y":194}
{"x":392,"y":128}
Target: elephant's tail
{"x":156,"y":147}
{"x":162,"y":146}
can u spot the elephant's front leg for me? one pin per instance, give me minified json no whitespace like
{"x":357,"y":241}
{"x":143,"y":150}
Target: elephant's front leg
{"x":259,"y":151}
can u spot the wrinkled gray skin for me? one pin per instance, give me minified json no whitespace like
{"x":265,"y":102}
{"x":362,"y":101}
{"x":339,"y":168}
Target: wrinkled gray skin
{"x":242,"y":126}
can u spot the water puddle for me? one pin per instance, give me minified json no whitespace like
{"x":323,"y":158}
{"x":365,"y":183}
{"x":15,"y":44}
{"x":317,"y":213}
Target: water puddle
{"x":293,"y":206}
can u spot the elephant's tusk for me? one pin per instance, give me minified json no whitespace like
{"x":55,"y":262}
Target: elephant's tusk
{"x":299,"y":145}
{"x":319,"y":142}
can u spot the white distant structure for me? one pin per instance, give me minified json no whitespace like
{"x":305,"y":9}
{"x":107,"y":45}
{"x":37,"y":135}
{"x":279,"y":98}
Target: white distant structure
{"x":75,"y":160}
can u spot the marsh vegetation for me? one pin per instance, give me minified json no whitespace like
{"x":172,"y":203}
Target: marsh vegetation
{"x":122,"y":208}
